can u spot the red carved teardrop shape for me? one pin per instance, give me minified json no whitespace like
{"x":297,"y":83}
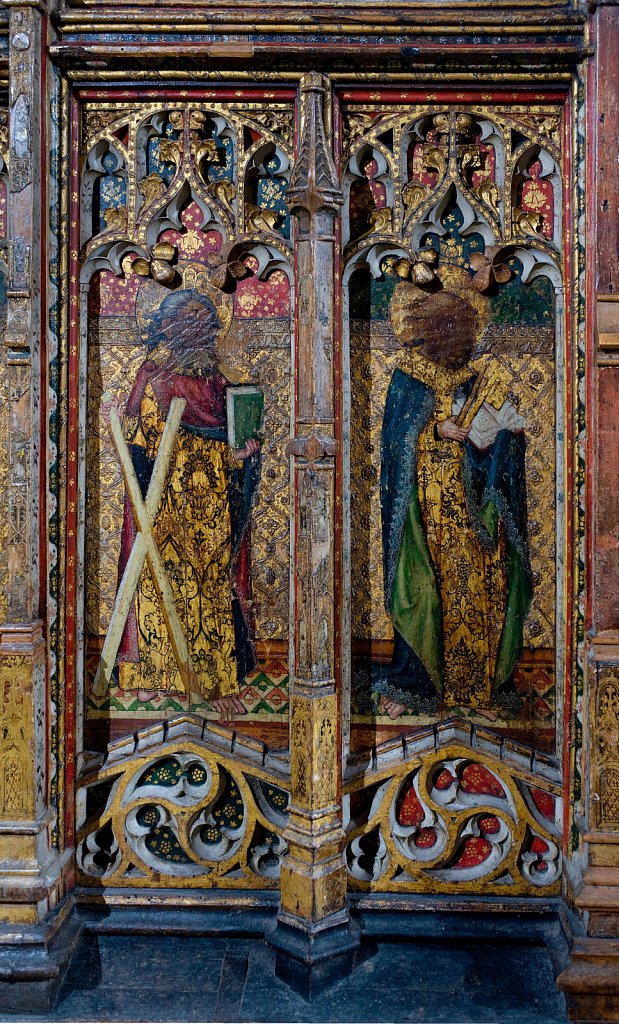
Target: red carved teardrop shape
{"x":475,"y":851}
{"x":410,"y":811}
{"x":544,"y":802}
{"x":477,"y":779}
{"x":425,"y":838}
{"x":489,"y":825}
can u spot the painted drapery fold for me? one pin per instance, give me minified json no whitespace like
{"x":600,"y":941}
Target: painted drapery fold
{"x":424,"y":560}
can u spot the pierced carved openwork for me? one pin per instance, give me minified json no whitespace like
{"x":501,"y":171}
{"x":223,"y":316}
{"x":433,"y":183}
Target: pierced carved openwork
{"x":454,"y":818}
{"x":185,"y":805}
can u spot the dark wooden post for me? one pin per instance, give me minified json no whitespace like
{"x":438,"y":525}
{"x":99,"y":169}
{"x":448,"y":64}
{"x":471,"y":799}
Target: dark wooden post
{"x":32,"y":874}
{"x":591,"y":982}
{"x":313,"y":935}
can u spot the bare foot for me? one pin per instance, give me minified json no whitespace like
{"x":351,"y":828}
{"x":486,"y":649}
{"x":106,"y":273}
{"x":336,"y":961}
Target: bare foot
{"x":229,"y":707}
{"x":393,"y":709}
{"x":486,"y":713}
{"x":116,"y":691}
{"x":145,"y":695}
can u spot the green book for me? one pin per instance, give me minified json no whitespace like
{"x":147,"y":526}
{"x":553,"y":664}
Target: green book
{"x":244,"y":407}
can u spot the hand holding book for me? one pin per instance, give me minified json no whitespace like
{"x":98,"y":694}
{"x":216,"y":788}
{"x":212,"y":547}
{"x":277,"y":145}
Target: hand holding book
{"x":450,"y":430}
{"x":252,"y":447}
{"x":244,"y":407}
{"x":488,"y":421}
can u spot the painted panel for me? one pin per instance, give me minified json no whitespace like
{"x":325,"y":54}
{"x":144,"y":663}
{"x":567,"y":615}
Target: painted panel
{"x":452,"y":264}
{"x":187,"y":324}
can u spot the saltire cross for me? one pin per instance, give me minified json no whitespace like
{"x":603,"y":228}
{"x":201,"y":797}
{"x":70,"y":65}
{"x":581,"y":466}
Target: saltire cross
{"x":144,"y":550}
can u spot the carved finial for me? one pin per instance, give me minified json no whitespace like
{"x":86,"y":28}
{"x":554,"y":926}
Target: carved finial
{"x":313,"y":183}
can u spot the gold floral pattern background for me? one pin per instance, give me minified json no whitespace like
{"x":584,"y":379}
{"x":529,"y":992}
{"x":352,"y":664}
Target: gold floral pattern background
{"x":165,"y":191}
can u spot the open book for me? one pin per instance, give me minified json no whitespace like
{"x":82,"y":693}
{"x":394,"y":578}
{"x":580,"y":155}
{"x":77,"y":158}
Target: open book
{"x":244,"y":408}
{"x":488,"y":420}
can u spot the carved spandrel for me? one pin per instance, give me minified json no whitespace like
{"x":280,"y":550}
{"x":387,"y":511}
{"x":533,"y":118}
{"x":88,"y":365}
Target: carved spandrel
{"x":181,"y":812}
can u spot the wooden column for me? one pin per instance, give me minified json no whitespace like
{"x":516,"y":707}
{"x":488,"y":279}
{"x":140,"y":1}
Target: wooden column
{"x":31,"y":873}
{"x":313,"y":935}
{"x":591,"y":982}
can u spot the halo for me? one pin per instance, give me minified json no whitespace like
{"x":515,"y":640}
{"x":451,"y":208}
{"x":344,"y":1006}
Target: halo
{"x":195,"y":276}
{"x":459,"y":282}
{"x":405,"y":295}
{"x":149,"y":297}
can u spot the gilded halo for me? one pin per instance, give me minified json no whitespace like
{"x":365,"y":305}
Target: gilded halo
{"x":194,"y":276}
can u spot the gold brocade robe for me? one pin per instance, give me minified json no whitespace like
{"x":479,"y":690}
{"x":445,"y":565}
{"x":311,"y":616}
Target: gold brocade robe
{"x":471,"y":580}
{"x":192,"y":531}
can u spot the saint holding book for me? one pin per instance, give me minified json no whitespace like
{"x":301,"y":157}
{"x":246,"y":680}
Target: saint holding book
{"x":201,"y":527}
{"x":453,"y":504}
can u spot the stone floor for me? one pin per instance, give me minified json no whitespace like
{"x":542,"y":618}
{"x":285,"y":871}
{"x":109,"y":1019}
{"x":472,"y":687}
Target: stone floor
{"x":168,"y":978}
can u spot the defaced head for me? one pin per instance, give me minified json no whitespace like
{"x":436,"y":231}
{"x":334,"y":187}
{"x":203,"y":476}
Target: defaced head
{"x":443,"y":326}
{"x":186,"y":323}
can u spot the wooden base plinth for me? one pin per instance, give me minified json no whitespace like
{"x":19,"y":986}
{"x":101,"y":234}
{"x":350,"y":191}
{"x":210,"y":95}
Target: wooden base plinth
{"x":33,"y":880}
{"x":33,"y":960}
{"x":310,"y":958}
{"x":32,"y":876}
{"x":591,"y":982}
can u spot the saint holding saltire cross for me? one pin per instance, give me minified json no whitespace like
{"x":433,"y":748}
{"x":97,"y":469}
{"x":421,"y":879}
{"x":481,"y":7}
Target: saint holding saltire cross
{"x":183,"y":621}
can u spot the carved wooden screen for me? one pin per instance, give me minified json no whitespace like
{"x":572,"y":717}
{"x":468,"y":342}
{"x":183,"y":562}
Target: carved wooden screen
{"x":186,"y":316}
{"x":449,"y":277}
{"x":455,"y":209}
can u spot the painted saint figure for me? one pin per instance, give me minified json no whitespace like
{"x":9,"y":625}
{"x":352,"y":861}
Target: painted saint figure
{"x":201,"y":527}
{"x":454,"y":518}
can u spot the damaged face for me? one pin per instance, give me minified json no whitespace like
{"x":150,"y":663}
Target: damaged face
{"x":444,"y":327}
{"x":187,"y":334}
